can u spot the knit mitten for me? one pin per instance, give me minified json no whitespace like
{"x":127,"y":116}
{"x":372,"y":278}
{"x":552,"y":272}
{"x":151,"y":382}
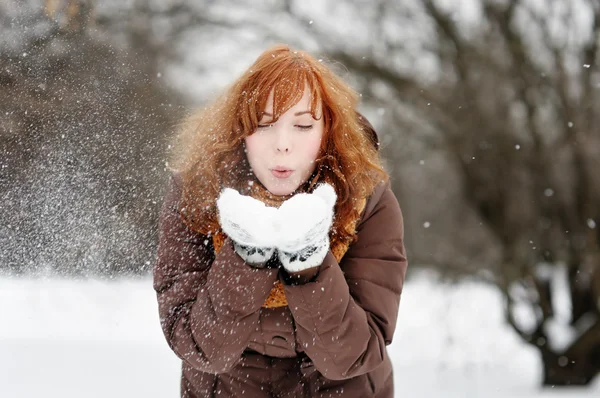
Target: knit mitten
{"x":303,"y":223}
{"x":250,"y":225}
{"x":253,"y":255}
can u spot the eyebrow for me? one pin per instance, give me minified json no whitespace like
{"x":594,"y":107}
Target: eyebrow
{"x":295,"y":114}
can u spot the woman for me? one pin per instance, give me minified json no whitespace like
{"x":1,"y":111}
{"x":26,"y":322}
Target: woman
{"x":281,"y":257}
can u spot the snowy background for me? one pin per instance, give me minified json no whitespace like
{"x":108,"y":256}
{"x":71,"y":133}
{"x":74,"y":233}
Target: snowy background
{"x":84,"y":130}
{"x":90,"y":338}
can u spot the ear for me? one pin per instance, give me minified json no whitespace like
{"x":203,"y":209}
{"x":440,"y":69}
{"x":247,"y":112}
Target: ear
{"x":327,"y":193}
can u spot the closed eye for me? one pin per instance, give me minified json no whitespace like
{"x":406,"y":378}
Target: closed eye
{"x":304,"y":127}
{"x":264,"y":126}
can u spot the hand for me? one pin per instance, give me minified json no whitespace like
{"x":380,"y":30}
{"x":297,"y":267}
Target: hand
{"x":249,"y":223}
{"x":303,"y":222}
{"x":305,"y":218}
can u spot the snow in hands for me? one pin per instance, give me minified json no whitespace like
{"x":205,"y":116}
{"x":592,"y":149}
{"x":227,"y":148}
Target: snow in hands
{"x":298,"y":229}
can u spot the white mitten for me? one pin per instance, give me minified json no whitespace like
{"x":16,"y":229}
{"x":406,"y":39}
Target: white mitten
{"x":303,"y":222}
{"x":249,"y":223}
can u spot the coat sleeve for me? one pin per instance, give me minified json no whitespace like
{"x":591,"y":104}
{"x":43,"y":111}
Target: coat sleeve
{"x":208,"y":306}
{"x":347,"y":315}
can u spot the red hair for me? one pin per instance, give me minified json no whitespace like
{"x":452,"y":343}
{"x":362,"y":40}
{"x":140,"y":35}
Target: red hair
{"x":210,"y":154}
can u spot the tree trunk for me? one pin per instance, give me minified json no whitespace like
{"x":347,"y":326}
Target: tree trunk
{"x":562,"y":371}
{"x":578,"y":365}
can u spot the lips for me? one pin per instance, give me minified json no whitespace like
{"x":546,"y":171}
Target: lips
{"x":281,"y":172}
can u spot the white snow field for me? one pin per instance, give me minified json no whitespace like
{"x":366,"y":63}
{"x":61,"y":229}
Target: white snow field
{"x":68,"y":338}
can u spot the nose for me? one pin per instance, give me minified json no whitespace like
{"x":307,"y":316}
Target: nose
{"x":283,"y":143}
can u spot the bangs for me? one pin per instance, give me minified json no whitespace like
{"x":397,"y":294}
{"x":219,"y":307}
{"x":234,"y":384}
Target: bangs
{"x":287,"y":79}
{"x":288,"y":89}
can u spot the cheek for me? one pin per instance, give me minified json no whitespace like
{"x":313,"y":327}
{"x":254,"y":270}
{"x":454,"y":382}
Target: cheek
{"x":253,"y":146}
{"x":314,"y":145}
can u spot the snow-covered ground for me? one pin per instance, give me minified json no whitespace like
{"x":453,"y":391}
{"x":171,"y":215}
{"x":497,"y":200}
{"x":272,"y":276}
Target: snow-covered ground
{"x":66,"y":338}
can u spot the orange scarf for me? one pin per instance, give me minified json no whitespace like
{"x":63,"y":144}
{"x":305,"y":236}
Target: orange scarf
{"x":277,"y":296}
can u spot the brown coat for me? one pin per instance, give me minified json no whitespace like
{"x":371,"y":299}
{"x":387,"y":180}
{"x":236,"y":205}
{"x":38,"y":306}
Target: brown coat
{"x":329,"y":341}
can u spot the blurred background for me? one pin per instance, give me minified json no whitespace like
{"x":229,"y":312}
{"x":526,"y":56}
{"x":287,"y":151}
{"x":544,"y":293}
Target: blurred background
{"x":488,"y":112}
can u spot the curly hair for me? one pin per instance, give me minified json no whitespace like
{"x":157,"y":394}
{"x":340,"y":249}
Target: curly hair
{"x":209,"y":150}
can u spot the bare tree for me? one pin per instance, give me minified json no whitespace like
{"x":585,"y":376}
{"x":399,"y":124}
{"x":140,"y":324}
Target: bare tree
{"x":82,"y":139}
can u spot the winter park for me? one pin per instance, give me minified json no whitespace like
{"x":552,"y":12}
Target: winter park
{"x":300,"y":198}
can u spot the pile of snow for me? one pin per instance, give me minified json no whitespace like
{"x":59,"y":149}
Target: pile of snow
{"x":87,"y":338}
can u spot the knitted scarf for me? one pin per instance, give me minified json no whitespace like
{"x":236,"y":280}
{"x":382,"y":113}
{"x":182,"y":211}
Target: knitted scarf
{"x":338,"y":248}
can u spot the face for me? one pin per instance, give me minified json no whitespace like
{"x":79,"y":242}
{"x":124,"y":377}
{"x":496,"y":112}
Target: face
{"x":282,"y":155}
